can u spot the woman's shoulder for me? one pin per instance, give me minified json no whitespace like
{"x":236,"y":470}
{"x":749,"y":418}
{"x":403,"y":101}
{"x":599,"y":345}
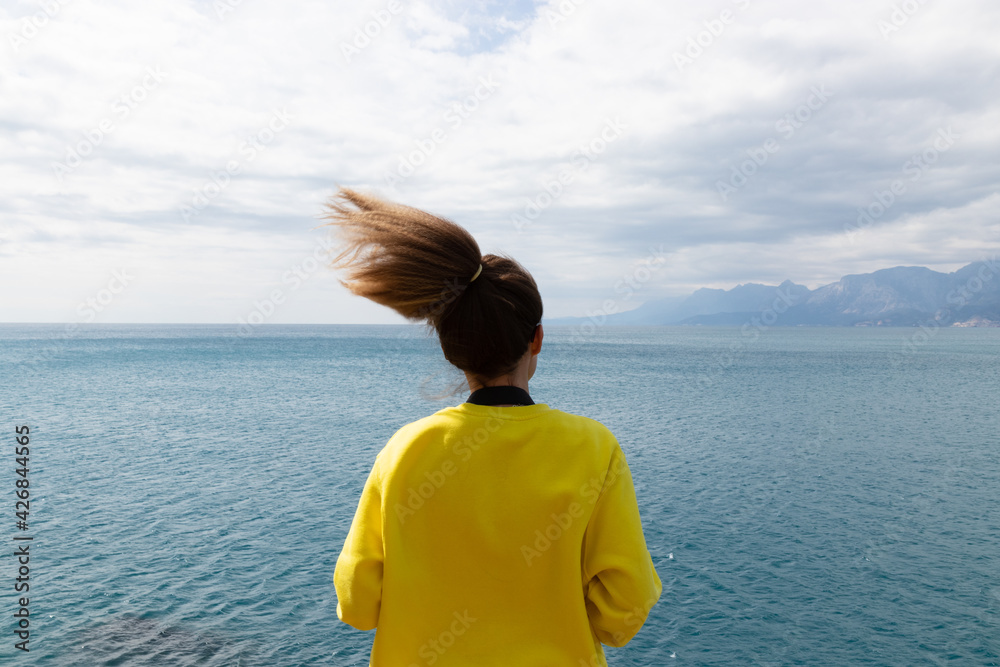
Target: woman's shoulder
{"x":582,"y":422}
{"x":414,"y":428}
{"x":441,"y":421}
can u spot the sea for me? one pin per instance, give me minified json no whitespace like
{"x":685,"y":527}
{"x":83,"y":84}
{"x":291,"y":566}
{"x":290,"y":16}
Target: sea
{"x":810,"y":496}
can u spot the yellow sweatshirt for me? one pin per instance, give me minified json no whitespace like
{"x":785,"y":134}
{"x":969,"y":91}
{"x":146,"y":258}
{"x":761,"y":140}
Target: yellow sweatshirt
{"x":497,"y":536}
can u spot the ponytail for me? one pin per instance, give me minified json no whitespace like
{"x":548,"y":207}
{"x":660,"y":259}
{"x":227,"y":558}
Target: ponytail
{"x":427,"y":269}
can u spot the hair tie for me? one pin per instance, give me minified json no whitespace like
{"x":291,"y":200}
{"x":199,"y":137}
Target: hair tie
{"x":476,"y":275}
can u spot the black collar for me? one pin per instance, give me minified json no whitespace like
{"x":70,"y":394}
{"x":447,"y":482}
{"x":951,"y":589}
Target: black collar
{"x":500,"y":395}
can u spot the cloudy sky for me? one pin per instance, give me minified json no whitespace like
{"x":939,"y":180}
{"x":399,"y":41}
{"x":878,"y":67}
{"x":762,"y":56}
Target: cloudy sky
{"x":167,"y":161}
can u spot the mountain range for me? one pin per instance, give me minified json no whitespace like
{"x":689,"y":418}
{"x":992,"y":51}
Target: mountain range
{"x":901,"y":296}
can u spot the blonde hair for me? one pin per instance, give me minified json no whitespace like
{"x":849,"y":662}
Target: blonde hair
{"x":422,"y":267}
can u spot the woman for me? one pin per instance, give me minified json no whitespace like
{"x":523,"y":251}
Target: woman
{"x":500,"y":531}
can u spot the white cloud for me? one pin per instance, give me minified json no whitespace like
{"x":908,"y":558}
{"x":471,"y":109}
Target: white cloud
{"x":560,"y":77}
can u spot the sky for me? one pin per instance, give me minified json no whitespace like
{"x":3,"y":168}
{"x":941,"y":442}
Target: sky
{"x":168,"y":161}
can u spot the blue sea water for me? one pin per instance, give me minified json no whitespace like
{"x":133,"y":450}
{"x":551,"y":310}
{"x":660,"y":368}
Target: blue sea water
{"x":820,"y":497}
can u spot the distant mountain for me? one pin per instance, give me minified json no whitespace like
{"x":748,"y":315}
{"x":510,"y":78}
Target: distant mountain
{"x":902,"y":296}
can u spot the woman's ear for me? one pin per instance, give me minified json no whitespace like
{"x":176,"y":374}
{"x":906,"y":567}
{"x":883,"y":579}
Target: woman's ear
{"x":536,"y":341}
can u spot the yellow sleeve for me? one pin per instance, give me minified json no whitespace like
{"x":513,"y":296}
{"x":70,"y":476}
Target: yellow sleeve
{"x":358,"y":574}
{"x":621,"y":581}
